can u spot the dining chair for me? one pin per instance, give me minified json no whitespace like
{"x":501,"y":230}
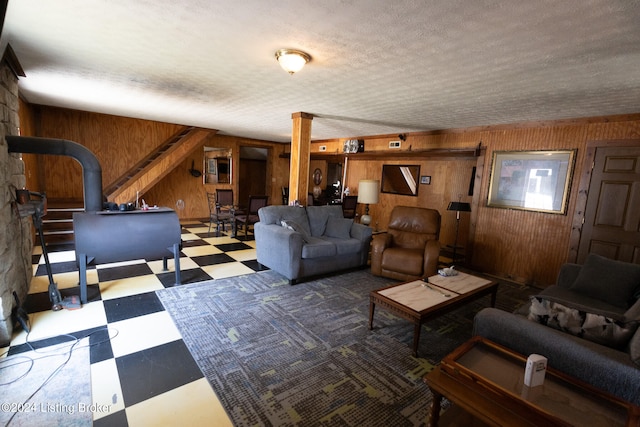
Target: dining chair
{"x":250,"y":217}
{"x":221,"y":210}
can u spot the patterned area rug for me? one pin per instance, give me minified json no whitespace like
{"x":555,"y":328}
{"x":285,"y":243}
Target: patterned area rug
{"x":284,"y":355}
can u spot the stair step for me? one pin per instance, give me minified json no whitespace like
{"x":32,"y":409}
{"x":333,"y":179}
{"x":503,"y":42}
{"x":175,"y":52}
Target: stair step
{"x":58,"y":227}
{"x":57,"y":239}
{"x":58,"y":233}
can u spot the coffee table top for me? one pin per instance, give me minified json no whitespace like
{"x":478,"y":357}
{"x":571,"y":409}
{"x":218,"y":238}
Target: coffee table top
{"x":419,"y":295}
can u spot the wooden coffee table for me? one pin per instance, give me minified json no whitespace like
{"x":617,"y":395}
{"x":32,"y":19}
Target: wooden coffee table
{"x":485,"y":384}
{"x":419,"y":300}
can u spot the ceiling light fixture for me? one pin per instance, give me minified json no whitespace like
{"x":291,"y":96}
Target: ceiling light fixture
{"x":292,"y":60}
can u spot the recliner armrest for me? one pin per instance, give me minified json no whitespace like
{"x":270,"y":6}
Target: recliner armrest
{"x":431,"y":257}
{"x":379,"y":243}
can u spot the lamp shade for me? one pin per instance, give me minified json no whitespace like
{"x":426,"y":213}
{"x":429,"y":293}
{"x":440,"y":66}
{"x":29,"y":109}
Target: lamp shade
{"x":459,"y":206}
{"x":368,"y":190}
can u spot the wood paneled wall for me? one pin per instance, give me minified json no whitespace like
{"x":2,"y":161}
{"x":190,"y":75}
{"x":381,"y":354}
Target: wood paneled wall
{"x":31,"y":161}
{"x":524,"y":246}
{"x":117,"y":142}
{"x":180,"y":185}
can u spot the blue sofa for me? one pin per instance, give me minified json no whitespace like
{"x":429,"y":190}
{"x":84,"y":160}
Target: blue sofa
{"x":586,"y":325}
{"x":300,"y":242}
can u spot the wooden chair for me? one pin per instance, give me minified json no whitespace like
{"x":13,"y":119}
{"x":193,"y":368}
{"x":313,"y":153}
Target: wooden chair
{"x":221,"y":210}
{"x":349,"y":205}
{"x":251,"y":216}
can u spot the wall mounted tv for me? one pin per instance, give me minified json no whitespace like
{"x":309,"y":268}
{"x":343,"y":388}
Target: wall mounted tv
{"x":400,"y":179}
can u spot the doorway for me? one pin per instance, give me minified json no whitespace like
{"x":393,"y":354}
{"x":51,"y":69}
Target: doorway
{"x":252,"y":180}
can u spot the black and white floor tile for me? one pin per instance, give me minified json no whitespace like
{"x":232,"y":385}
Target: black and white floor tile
{"x":141,"y":369}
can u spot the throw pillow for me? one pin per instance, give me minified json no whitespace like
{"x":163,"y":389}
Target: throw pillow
{"x":609,"y":280}
{"x":339,"y":228}
{"x":590,"y":326}
{"x":292,"y":225}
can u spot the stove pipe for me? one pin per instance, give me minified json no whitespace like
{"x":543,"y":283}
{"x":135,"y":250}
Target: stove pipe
{"x":91,"y":170}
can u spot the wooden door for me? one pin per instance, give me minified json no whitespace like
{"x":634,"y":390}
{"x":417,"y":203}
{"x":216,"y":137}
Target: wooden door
{"x":253,"y":180}
{"x":612,"y":215}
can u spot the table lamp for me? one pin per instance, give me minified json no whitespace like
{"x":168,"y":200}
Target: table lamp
{"x":368,"y":190}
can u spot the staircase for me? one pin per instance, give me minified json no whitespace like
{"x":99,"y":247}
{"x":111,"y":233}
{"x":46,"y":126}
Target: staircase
{"x":157,"y":165}
{"x":57,"y":224}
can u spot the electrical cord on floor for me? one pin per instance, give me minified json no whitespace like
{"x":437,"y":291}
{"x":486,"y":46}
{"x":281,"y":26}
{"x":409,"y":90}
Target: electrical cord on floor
{"x":74,"y":342}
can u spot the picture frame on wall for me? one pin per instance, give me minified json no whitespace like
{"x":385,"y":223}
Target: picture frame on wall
{"x":531,"y":180}
{"x":211,"y":166}
{"x":425,"y":179}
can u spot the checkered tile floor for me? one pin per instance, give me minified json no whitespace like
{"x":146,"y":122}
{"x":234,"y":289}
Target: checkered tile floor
{"x":133,"y":335}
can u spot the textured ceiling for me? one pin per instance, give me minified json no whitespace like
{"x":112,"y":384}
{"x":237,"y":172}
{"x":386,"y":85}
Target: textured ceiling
{"x":378,"y":67}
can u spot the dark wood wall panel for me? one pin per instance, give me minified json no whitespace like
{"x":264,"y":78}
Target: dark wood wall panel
{"x":117,"y":142}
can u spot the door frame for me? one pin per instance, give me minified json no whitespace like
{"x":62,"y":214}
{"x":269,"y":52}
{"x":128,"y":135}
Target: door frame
{"x":583,"y":189}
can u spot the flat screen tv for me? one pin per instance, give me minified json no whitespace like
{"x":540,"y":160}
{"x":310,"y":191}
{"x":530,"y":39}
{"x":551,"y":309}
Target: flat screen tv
{"x":400,"y":179}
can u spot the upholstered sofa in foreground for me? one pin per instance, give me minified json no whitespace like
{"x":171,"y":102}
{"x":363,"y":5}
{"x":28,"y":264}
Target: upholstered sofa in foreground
{"x":586,"y":325}
{"x":300,"y":242}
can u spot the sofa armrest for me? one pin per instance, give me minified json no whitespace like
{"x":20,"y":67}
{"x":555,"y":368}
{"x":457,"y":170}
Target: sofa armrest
{"x":360,"y":232}
{"x":279,"y":248}
{"x":568,"y":274}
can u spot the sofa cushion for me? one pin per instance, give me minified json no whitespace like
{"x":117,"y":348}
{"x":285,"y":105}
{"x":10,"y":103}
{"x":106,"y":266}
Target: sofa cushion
{"x":345,"y":246}
{"x":316,"y":247}
{"x":584,"y":302}
{"x":403,"y":260}
{"x":274,"y":214}
{"x":339,"y":228}
{"x":319,"y":215}
{"x":292,"y":225}
{"x":615,"y":332}
{"x":612,"y":281}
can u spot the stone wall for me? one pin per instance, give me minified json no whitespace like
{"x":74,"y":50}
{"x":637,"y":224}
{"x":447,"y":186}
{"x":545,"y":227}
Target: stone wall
{"x":16,"y":241}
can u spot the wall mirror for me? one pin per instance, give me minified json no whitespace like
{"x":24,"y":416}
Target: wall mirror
{"x":217,"y":165}
{"x":400,"y":179}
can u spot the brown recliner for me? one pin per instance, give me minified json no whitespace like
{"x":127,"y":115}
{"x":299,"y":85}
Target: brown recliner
{"x":409,"y":250}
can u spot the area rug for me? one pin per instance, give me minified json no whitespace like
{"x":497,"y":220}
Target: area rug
{"x":47,"y":387}
{"x":282,"y":355}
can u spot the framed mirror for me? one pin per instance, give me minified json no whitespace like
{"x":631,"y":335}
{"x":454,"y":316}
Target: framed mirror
{"x":400,"y":179}
{"x":217,"y":165}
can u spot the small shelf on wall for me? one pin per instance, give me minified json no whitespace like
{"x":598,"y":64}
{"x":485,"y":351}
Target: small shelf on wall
{"x":413,"y":154}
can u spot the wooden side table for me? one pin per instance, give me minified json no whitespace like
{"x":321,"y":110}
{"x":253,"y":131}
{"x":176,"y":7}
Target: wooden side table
{"x":486,"y":381}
